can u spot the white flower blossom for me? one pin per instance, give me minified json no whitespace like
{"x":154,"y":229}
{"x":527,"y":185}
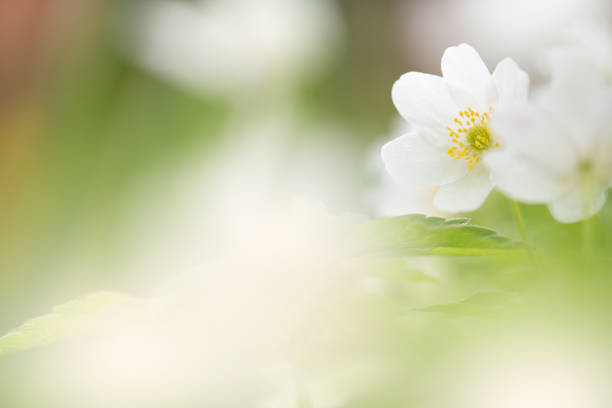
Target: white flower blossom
{"x":450,"y":133}
{"x":224,"y":46}
{"x":557,"y":150}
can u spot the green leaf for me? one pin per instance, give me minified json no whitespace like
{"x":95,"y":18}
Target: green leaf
{"x":420,"y":235}
{"x":482,"y":303}
{"x":78,"y":316}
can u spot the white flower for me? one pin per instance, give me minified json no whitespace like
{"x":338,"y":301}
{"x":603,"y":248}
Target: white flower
{"x":450,"y":126}
{"x":557,"y":151}
{"x":226,"y":45}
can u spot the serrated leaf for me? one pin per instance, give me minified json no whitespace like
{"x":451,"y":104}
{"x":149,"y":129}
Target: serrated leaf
{"x":69,"y":319}
{"x":420,"y":235}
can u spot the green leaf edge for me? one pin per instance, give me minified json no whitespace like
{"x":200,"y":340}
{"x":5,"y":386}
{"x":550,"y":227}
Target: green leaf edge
{"x":65,"y":320}
{"x":507,"y":246}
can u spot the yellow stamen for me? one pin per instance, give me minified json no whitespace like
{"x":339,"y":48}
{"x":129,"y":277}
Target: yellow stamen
{"x":472,"y":138}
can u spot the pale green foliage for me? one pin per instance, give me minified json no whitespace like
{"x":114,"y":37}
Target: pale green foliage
{"x":420,"y":235}
{"x":482,"y":303}
{"x":66,"y":320}
{"x":397,"y":236}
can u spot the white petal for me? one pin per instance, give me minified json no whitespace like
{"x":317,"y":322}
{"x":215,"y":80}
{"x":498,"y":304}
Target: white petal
{"x":412,"y":160}
{"x":571,"y":206}
{"x":465,"y":194}
{"x":462,"y":64}
{"x":512,"y":83}
{"x":534,"y":134}
{"x":424,"y":100}
{"x":393,"y":199}
{"x":583,"y":109}
{"x":465,"y":98}
{"x":521,"y":178}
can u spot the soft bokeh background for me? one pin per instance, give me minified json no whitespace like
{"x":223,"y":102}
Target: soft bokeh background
{"x":140,"y":140}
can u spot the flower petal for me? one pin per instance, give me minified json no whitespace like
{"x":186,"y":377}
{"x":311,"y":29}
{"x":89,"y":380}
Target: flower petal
{"x":462,"y":64}
{"x":521,"y":178}
{"x":534,"y":134}
{"x":465,"y":98}
{"x":465,"y":194}
{"x":412,"y":160}
{"x":424,"y":100}
{"x":512,"y":83}
{"x":571,"y":207}
{"x":583,"y":108}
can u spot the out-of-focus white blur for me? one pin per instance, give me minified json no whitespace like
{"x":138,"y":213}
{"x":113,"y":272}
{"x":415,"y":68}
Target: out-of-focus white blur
{"x":534,"y":368}
{"x":586,"y":50}
{"x":230,"y":45}
{"x":247,"y":271}
{"x":237,"y":328}
{"x":246,"y":199}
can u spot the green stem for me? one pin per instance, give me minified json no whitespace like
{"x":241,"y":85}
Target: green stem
{"x":587,"y":232}
{"x":518,"y":218}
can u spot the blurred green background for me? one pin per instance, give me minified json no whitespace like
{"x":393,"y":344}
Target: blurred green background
{"x":83,"y":129}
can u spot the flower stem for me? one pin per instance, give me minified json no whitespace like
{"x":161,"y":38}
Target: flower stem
{"x":518,"y":218}
{"x":587,"y":231}
{"x":587,"y":234}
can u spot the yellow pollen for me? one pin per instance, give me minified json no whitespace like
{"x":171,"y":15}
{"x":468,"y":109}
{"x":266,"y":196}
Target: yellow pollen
{"x":473,"y":137}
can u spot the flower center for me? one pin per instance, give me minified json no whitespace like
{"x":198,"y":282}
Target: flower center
{"x":478,"y":137}
{"x":585,"y":166}
{"x":471,"y":135}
